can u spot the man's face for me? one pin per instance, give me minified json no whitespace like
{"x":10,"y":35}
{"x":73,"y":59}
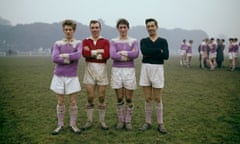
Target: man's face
{"x":151,"y":28}
{"x":122,"y":29}
{"x":95,"y":29}
{"x":68,"y":31}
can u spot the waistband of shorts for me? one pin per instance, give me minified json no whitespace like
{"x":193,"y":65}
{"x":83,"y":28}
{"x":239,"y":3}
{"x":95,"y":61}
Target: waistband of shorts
{"x":148,"y":64}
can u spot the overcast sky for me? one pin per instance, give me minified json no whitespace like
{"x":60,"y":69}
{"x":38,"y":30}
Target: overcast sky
{"x":216,"y":17}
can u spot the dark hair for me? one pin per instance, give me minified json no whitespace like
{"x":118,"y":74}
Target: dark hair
{"x":69,"y":23}
{"x":122,"y":21}
{"x":94,"y":22}
{"x":151,"y":20}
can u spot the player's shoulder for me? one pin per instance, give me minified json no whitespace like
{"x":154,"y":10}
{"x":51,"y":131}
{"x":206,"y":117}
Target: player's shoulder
{"x":115,"y":39}
{"x":104,"y":39}
{"x":145,"y":40}
{"x":162,"y":39}
{"x":132,"y":40}
{"x":60,"y":42}
{"x":77,"y":41}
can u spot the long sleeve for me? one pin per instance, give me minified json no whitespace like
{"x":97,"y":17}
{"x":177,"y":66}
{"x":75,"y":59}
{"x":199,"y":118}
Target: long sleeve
{"x":165,"y":51}
{"x":113,"y":52}
{"x":56,"y":55}
{"x":76,"y":55}
{"x":135,"y":52}
{"x":106,"y":53}
{"x":86,"y":52}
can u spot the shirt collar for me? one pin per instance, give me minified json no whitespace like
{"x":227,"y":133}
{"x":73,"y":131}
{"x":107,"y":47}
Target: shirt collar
{"x":90,"y":37}
{"x":65,"y":40}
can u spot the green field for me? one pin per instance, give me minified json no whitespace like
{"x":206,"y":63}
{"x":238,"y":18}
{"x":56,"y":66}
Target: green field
{"x":200,"y":107}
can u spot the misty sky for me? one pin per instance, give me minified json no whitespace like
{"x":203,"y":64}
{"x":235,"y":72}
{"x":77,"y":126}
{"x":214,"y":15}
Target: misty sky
{"x":216,"y":17}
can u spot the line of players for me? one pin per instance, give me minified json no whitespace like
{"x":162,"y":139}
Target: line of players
{"x":186,"y":53}
{"x":212,"y":53}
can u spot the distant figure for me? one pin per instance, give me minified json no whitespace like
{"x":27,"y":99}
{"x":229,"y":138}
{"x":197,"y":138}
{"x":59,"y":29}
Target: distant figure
{"x":212,"y":53}
{"x":154,"y":50}
{"x":123,"y":51}
{"x":235,"y":54}
{"x":96,"y":53}
{"x":220,"y":54}
{"x":65,"y":55}
{"x":189,"y":53}
{"x":230,"y":53}
{"x":203,"y":53}
{"x":183,"y":48}
{"x":199,"y":58}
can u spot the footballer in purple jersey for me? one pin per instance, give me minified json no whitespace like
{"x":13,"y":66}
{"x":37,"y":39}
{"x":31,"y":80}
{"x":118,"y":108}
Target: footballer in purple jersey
{"x":65,"y":55}
{"x":123,"y":51}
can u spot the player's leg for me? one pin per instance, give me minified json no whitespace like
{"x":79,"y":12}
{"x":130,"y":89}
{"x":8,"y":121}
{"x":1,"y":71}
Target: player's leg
{"x":211,"y":63}
{"x":234,"y":61}
{"x":181,"y":58}
{"x":57,"y":86}
{"x":90,"y":88}
{"x":120,"y":107}
{"x":230,"y":61}
{"x":73,"y":111}
{"x":102,"y":106}
{"x":189,"y":60}
{"x":202,"y":61}
{"x":129,"y":108}
{"x":214,"y":62}
{"x":157,"y":93}
{"x":148,"y":108}
{"x":60,"y":113}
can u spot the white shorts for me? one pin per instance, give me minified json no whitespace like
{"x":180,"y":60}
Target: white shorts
{"x":182,"y":52}
{"x":65,"y":85}
{"x":212,"y":55}
{"x":203,"y":54}
{"x":235,"y":54}
{"x":95,"y":73}
{"x":152,"y":75}
{"x":189,"y":54}
{"x":231,"y":55}
{"x":123,"y":77}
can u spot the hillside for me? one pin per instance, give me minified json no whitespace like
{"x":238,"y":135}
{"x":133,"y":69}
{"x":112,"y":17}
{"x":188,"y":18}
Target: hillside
{"x":32,"y":37}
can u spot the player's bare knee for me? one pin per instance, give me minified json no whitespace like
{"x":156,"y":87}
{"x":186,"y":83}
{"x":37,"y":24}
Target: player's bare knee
{"x":157,"y":100}
{"x":148,"y":100}
{"x":119,"y":99}
{"x":90,"y":99}
{"x":101,"y":99}
{"x":129,"y":100}
{"x":60,"y":102}
{"x":73,"y":103}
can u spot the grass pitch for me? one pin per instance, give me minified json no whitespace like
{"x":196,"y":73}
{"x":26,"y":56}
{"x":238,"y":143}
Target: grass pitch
{"x":200,"y":106}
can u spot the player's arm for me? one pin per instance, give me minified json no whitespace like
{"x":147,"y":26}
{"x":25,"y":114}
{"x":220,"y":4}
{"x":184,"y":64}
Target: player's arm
{"x":76,"y":54}
{"x":113,"y":52}
{"x":86,"y":50}
{"x":133,"y":54}
{"x":106,"y":50}
{"x":57,"y":57}
{"x":164,"y":50}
